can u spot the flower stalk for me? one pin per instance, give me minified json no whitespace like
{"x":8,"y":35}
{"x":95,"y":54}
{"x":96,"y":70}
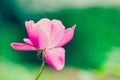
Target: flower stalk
{"x":43,"y":64}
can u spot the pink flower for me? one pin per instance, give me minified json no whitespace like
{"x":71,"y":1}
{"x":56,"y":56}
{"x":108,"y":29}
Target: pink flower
{"x":47,"y":35}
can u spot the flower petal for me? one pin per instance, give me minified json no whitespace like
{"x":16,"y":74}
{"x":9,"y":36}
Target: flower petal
{"x":22,"y":46}
{"x":36,"y":35}
{"x":32,"y":32}
{"x":43,"y":40}
{"x":29,"y":25}
{"x":57,"y":31}
{"x":68,"y":35}
{"x":55,"y":58}
{"x":45,"y":25}
{"x":27,"y":41}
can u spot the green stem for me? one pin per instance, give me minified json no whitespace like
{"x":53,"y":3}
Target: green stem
{"x":41,"y":69}
{"x":42,"y":66}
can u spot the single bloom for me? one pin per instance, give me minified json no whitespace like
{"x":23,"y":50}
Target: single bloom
{"x":49,"y":36}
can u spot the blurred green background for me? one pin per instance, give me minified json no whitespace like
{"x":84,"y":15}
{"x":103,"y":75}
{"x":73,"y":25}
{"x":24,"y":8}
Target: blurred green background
{"x":94,"y":51}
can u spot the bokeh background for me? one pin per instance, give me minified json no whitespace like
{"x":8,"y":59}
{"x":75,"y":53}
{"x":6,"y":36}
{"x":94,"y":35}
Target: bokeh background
{"x":93,"y":53}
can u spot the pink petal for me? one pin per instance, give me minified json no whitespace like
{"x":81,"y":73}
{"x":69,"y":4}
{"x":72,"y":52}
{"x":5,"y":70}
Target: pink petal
{"x":55,"y":58}
{"x":37,"y":36}
{"x":43,"y":40}
{"x":45,"y":25}
{"x":29,"y":25}
{"x":22,"y":46}
{"x":57,"y":31}
{"x":27,"y":41}
{"x":68,"y":35}
{"x":32,"y":33}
